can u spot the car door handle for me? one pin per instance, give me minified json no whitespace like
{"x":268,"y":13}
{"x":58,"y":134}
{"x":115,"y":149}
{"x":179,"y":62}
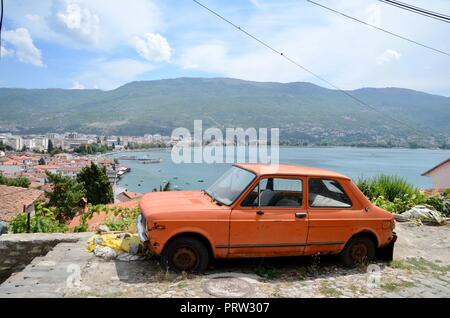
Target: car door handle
{"x":300,"y":215}
{"x":260,"y":212}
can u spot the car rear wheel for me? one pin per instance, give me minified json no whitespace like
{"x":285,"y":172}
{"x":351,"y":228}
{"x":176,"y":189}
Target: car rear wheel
{"x":358,"y":250}
{"x":185,"y":254}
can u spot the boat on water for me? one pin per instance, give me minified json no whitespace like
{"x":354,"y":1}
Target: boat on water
{"x":127,"y":158}
{"x":149,"y":161}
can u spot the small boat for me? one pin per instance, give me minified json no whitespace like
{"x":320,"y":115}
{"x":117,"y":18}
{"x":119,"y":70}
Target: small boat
{"x":201,"y":180}
{"x":149,"y":161}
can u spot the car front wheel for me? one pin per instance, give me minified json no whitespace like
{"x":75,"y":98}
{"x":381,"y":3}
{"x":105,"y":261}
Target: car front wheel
{"x":358,"y":250}
{"x":185,"y":254}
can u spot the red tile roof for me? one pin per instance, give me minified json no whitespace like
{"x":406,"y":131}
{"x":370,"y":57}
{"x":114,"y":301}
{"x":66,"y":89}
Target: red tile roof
{"x":12,"y":200}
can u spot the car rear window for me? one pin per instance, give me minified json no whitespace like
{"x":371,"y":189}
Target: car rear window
{"x":326,"y":193}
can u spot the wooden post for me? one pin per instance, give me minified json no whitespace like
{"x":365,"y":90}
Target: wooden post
{"x":28,"y":218}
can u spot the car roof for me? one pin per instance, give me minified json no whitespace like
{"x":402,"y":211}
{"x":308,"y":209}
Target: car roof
{"x":265,"y":169}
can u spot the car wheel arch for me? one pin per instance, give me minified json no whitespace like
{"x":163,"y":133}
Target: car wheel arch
{"x":195,"y":235}
{"x":367,"y":233}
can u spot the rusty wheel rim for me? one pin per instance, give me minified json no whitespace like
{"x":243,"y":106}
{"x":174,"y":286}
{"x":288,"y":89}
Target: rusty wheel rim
{"x":185,"y":259}
{"x":359,"y":251}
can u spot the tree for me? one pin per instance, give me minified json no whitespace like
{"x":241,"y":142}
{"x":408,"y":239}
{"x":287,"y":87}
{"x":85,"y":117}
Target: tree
{"x":166,"y":187}
{"x":50,"y":146}
{"x":4,"y":147}
{"x":41,"y":161}
{"x":96,"y":183}
{"x":65,"y":197}
{"x":15,"y":182}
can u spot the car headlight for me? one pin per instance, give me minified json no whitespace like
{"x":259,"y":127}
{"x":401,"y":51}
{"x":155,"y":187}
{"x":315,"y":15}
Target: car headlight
{"x":142,"y":228}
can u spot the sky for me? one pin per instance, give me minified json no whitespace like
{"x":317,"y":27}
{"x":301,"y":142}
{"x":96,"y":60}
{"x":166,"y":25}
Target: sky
{"x":103,"y":44}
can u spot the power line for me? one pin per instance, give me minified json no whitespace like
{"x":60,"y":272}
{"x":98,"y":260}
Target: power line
{"x":378,"y":28}
{"x":359,"y":101}
{"x":418,"y":10}
{"x":1,"y":24}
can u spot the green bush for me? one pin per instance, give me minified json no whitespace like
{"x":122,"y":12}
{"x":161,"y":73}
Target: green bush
{"x":392,"y":193}
{"x":440,"y":202}
{"x":390,"y":187}
{"x":15,"y":182}
{"x":42,"y":221}
{"x":118,"y":219}
{"x":396,"y":195}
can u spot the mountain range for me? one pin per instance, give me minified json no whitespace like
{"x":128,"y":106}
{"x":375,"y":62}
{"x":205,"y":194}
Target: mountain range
{"x":302,"y":111}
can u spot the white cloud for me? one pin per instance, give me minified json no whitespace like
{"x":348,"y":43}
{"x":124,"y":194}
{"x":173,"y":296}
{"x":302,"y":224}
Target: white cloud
{"x":32,"y":17}
{"x":256,"y":3}
{"x":152,"y":47}
{"x":78,"y":85}
{"x":388,"y":56}
{"x":86,"y":24}
{"x":110,"y":74}
{"x":25,"y":51}
{"x":209,"y":56}
{"x":4,"y":52}
{"x":79,"y":21}
{"x":374,"y":15}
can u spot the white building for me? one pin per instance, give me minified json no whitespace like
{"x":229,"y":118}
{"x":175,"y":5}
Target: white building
{"x":13,"y":141}
{"x":440,"y":175}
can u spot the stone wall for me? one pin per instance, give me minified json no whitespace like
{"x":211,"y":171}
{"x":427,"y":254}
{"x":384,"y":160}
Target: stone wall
{"x":18,"y":250}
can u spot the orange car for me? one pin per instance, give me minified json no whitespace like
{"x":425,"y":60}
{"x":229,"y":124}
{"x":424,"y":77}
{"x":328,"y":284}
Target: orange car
{"x":257,"y":210}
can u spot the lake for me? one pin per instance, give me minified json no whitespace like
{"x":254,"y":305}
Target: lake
{"x":353,"y":162}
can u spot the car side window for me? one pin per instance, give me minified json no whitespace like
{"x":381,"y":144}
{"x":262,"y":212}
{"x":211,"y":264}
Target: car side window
{"x":325,"y":193}
{"x":276,"y":192}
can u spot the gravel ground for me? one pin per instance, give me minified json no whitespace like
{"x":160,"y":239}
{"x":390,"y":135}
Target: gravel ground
{"x":421,"y":268}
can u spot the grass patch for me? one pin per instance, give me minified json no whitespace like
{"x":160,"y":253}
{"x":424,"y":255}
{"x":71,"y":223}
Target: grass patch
{"x":419,"y":264}
{"x":267,"y":272}
{"x":390,"y":187}
{"x":394,"y":286}
{"x":329,"y":291}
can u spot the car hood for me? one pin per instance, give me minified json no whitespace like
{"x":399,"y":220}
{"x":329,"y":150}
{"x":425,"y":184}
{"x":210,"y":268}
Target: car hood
{"x":155,"y":203}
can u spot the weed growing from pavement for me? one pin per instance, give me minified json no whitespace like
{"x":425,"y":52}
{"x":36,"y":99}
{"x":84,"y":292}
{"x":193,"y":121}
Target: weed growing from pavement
{"x":419,"y":264}
{"x":327,"y":290}
{"x":266,"y":271}
{"x":394,"y":286}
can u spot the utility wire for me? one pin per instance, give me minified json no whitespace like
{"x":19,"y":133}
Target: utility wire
{"x":378,"y":28}
{"x":418,"y":10}
{"x":359,"y":101}
{"x":1,"y":24}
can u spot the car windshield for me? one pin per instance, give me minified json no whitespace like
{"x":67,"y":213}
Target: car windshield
{"x":230,"y":185}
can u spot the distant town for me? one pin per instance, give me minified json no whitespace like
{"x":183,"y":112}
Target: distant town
{"x":28,"y":157}
{"x":80,"y":143}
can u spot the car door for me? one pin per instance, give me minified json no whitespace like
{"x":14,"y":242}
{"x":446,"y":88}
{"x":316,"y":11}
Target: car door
{"x":271,"y":219}
{"x":334,"y":214}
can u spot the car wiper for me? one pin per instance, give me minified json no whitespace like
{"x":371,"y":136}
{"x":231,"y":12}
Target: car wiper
{"x":212,"y":198}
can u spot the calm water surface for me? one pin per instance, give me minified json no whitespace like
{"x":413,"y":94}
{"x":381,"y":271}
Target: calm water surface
{"x":353,"y":162}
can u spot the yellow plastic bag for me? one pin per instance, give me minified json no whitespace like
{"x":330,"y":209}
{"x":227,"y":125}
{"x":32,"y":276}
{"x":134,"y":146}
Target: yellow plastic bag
{"x":126,"y":242}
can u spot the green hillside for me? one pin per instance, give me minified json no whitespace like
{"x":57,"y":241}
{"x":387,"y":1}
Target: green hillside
{"x":302,"y":111}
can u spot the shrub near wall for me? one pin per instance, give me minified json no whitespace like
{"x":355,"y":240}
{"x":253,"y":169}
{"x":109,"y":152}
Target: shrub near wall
{"x":395,"y":194}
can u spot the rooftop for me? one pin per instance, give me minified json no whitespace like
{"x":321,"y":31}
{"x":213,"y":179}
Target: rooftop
{"x":436,"y":167}
{"x":261,"y":169}
{"x":12,"y":200}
